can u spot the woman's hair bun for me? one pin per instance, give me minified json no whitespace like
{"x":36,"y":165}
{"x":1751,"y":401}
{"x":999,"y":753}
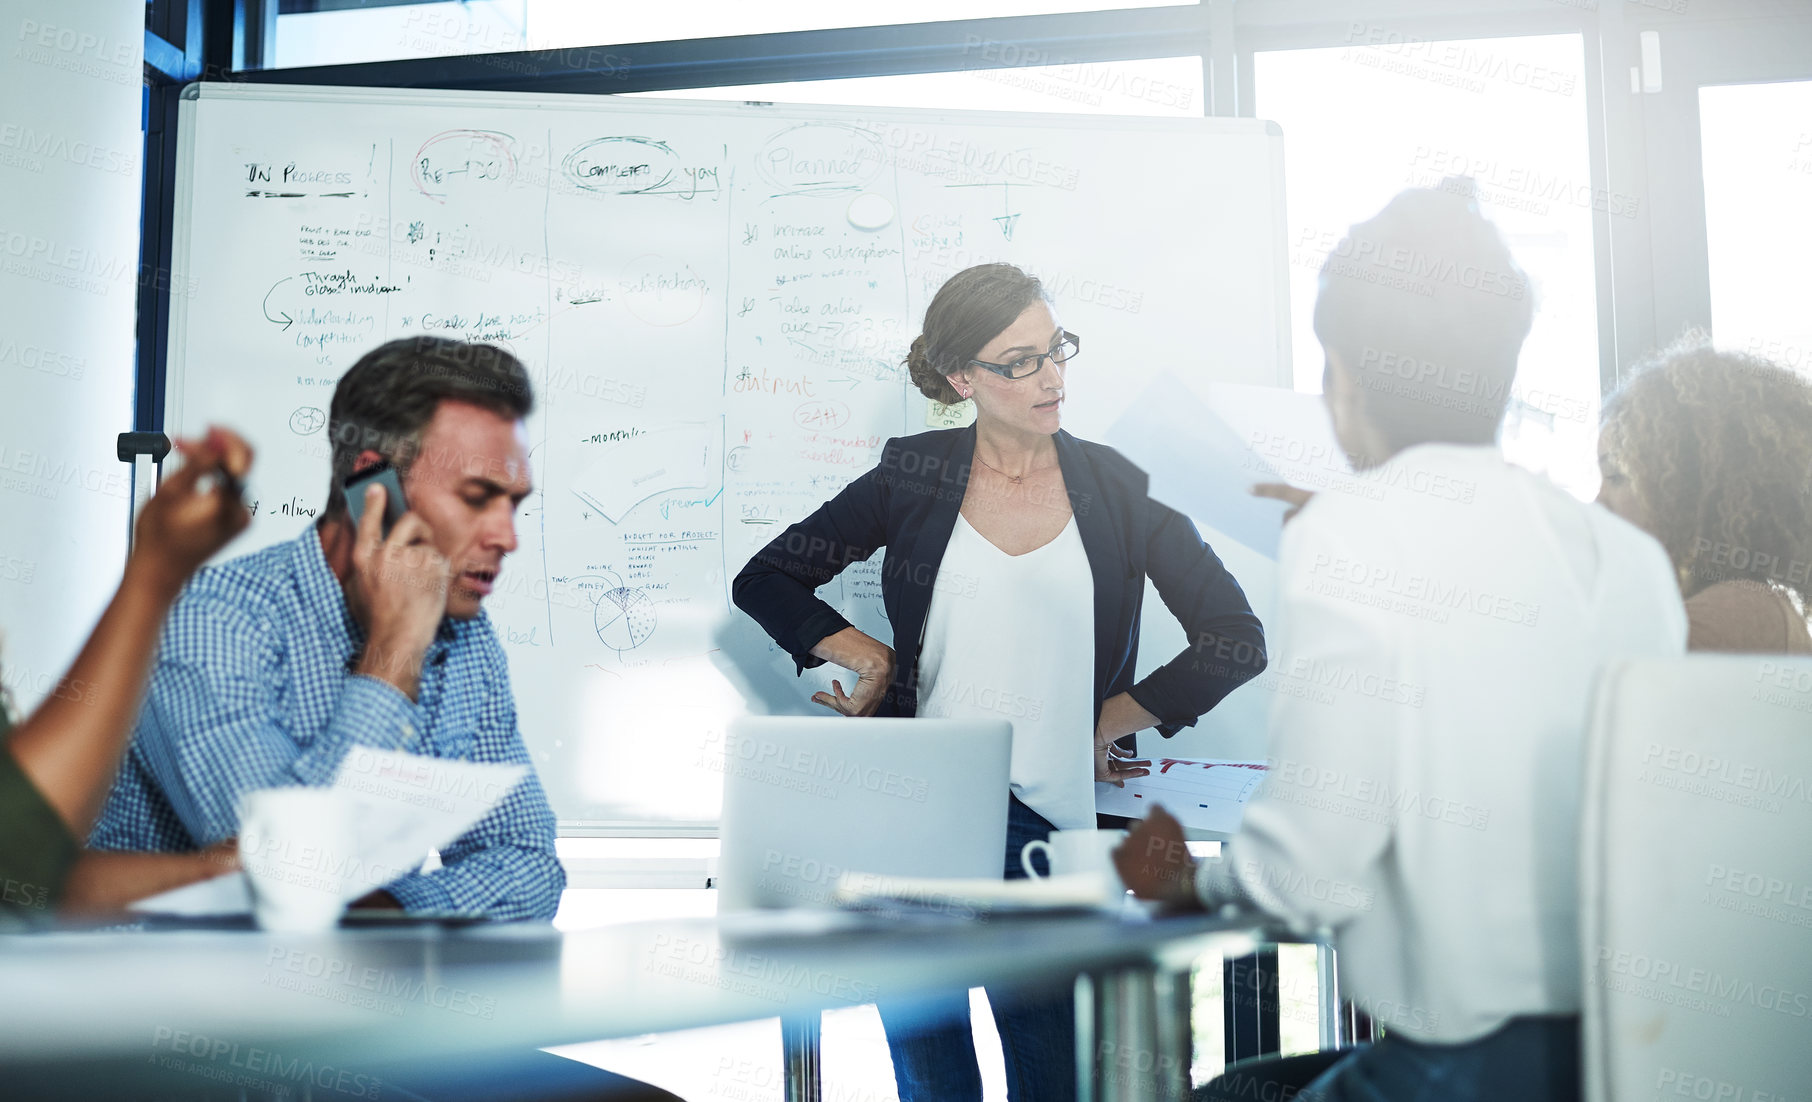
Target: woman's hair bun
{"x":972,"y":308}
{"x":931,"y":382}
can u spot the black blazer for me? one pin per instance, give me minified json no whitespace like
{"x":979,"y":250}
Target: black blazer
{"x":909,"y":504}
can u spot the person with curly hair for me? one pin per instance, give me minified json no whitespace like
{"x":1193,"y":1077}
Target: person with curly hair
{"x":1711,"y":453}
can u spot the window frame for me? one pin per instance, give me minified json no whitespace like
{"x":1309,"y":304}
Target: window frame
{"x":1651,"y":271}
{"x":1434,"y":23}
{"x":1720,"y":54}
{"x":1129,"y":34}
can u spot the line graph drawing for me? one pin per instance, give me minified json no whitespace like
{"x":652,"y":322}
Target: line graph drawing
{"x":1210,"y":780}
{"x":645,"y":464}
{"x":1209,"y":794}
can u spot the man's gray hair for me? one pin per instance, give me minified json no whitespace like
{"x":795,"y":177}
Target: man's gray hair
{"x":384,"y":403}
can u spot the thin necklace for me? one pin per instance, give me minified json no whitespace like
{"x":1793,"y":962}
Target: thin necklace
{"x":1015,"y":480}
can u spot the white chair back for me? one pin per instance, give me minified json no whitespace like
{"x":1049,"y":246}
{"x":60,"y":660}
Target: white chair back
{"x":1696,"y":881}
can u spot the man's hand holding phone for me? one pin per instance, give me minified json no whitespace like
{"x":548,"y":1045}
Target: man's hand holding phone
{"x":400,"y":580}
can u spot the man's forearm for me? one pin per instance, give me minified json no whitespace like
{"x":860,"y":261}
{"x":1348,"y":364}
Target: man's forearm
{"x":368,"y":713}
{"x":398,"y":664}
{"x":204,"y":759}
{"x":503,"y":882}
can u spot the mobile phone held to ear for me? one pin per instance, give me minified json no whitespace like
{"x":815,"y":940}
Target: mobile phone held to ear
{"x":383,"y":474}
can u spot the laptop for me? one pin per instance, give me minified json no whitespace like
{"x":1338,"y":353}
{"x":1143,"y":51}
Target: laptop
{"x":809,"y":798}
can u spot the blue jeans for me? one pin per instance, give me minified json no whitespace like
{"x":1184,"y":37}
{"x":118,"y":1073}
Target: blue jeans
{"x":933,"y":1052}
{"x":1522,"y":1060}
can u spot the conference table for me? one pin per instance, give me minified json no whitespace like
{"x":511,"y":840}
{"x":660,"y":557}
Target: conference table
{"x":96,"y":1010}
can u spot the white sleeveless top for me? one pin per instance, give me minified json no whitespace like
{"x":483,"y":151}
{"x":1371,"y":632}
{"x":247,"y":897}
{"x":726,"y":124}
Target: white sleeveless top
{"x":1013,"y":637}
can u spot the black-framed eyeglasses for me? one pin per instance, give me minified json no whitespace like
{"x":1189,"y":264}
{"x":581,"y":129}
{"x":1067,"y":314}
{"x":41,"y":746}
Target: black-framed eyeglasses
{"x":1068,"y":344}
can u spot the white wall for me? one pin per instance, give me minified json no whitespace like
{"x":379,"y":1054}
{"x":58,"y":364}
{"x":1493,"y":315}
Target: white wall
{"x":70,"y":151}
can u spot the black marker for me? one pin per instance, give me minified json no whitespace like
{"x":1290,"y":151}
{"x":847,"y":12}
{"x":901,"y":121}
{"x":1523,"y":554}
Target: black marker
{"x":230,"y":484}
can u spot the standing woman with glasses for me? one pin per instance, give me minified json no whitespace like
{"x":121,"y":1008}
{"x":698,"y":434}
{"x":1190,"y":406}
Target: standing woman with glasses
{"x":1014,"y":577}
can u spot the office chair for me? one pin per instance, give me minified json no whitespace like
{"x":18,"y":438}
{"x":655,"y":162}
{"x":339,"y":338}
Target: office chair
{"x":1696,"y":880}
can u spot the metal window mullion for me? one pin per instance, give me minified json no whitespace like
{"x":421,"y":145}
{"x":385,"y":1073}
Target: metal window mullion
{"x":158,"y":192}
{"x":1225,"y":69}
{"x":1664,"y":278}
{"x":1607,"y":122}
{"x":1679,"y":272}
{"x":256,"y":46}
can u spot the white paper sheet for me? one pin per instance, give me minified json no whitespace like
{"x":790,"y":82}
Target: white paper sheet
{"x":976,"y":897}
{"x":1203,"y":793}
{"x":224,"y":895}
{"x":1205,"y":447}
{"x":402,"y":806}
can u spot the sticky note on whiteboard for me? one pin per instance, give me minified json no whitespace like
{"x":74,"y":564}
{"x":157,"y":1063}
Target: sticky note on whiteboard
{"x":940,"y":416}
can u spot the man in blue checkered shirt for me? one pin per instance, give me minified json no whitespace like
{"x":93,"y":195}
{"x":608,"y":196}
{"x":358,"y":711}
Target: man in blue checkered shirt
{"x":273,"y":665}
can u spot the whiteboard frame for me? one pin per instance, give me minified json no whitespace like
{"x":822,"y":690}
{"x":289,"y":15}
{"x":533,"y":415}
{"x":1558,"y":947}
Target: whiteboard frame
{"x":176,"y":365}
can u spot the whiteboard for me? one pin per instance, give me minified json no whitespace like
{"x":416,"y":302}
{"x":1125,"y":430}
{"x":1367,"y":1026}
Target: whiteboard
{"x":714,"y":322}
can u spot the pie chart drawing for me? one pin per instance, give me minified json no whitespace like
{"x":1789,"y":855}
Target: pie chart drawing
{"x":623,"y":615}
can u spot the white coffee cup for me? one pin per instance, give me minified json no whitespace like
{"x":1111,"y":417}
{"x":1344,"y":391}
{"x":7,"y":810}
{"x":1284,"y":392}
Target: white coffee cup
{"x":1073,"y":851}
{"x":296,"y":846}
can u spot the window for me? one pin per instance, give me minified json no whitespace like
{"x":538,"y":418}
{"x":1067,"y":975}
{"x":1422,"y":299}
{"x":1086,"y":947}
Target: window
{"x":338,"y":35}
{"x":1756,"y":143}
{"x":1364,"y":121}
{"x":1167,"y":86}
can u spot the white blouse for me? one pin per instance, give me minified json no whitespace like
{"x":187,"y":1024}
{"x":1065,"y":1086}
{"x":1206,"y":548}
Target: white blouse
{"x":1013,"y":637}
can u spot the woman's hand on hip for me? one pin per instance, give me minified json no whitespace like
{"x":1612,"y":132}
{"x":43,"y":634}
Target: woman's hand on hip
{"x":1116,"y":765}
{"x":869,"y":659}
{"x":1121,"y":715}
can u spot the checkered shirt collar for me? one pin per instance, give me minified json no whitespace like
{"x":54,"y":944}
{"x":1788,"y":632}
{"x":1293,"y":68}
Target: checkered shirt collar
{"x":325,"y":600}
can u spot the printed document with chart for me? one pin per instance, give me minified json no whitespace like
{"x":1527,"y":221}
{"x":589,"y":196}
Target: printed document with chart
{"x":1203,"y":793}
